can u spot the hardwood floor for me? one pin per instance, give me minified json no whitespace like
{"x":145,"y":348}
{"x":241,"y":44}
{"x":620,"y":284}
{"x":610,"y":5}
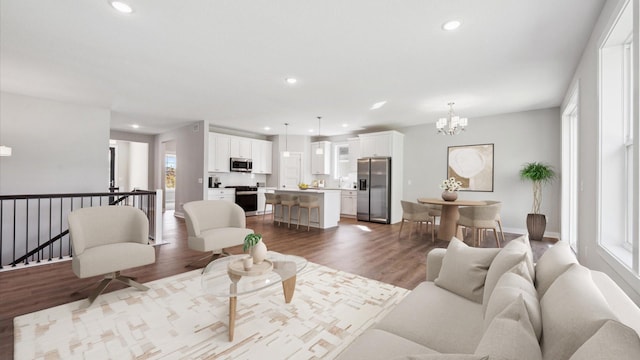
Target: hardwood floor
{"x":368,"y":249}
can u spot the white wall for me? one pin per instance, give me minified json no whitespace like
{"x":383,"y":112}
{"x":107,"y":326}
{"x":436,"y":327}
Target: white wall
{"x":518,"y":138}
{"x":191,"y":176}
{"x":586,"y":78}
{"x":57,"y":147}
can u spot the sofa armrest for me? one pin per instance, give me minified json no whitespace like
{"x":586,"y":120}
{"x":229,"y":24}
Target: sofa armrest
{"x":622,"y":306}
{"x":434,"y":263}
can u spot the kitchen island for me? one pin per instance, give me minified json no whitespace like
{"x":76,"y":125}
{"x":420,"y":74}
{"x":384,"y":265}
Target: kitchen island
{"x":329,"y":200}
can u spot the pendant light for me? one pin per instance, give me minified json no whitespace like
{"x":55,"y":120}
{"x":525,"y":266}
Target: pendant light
{"x":286,"y":153}
{"x":319,"y":149}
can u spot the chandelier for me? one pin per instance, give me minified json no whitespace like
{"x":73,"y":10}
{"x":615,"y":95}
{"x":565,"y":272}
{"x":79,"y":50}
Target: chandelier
{"x":452,"y":124}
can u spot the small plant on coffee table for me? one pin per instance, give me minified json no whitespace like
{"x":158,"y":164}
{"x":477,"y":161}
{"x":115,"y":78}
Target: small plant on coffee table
{"x":250,"y":241}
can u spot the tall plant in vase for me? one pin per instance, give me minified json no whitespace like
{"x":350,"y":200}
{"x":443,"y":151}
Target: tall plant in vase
{"x":539,"y":174}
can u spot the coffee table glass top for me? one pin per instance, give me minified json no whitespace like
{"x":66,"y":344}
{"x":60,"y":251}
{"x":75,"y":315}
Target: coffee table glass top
{"x":217,"y":281}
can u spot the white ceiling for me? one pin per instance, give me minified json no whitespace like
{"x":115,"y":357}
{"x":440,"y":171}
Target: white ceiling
{"x":174,"y":62}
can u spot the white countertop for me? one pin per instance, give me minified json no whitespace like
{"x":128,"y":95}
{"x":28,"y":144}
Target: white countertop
{"x":310,"y":190}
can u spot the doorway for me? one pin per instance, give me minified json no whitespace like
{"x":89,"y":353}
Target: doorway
{"x":169,"y":176}
{"x":291,"y":170}
{"x":128,"y":165}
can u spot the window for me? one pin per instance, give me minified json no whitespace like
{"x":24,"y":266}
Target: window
{"x":618,"y":195}
{"x":170,"y":171}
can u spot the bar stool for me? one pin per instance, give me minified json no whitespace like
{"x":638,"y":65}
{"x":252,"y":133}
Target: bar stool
{"x":289,"y":201}
{"x":273,"y":200}
{"x":308,"y":202}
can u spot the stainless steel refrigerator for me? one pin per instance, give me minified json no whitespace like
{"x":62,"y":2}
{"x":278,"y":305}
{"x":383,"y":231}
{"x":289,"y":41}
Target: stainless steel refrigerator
{"x":374,"y":189}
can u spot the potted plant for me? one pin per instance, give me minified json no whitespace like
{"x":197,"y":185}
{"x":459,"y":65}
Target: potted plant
{"x":539,"y":174}
{"x":257,"y":247}
{"x":450,"y":187}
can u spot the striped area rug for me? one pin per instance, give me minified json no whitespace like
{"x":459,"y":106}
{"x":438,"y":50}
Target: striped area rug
{"x":176,"y":319}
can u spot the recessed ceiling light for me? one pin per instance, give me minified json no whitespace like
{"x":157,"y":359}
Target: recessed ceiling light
{"x":451,"y":25}
{"x":310,"y":130}
{"x":121,"y":7}
{"x":291,"y":81}
{"x":267,"y":128}
{"x":378,"y":105}
{"x":135,"y":126}
{"x":345,"y":125}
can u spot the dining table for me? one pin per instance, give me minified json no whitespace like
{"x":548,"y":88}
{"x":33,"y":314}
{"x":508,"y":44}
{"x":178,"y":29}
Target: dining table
{"x":449,"y":216}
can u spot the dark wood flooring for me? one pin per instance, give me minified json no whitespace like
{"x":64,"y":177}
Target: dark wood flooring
{"x":371,"y":250}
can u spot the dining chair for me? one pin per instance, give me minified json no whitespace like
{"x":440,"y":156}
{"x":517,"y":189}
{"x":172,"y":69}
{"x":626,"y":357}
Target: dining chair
{"x":498,"y":218}
{"x":435,"y":211}
{"x":479,"y":218}
{"x":416,"y":213}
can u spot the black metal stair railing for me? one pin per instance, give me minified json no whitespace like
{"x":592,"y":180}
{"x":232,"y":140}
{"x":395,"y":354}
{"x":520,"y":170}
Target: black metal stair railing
{"x":33,"y":228}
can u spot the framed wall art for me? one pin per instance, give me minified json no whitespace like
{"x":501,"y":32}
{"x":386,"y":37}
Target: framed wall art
{"x":472,"y":165}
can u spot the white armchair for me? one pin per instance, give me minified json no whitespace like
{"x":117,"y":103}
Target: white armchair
{"x":106,"y":240}
{"x":213,"y":225}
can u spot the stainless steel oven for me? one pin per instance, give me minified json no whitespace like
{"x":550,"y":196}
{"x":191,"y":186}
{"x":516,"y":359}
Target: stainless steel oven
{"x":247,"y":198}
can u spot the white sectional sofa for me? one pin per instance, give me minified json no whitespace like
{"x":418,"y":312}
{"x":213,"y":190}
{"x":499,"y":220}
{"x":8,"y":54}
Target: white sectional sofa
{"x":494,"y":304}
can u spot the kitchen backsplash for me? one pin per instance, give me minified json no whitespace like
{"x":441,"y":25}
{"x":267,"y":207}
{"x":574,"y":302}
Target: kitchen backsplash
{"x":234,"y":179}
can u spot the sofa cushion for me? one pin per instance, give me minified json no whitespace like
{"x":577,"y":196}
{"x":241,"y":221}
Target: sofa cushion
{"x":612,"y":341}
{"x":512,"y":284}
{"x":442,"y":357}
{"x":436,"y":318}
{"x":522,"y":243}
{"x":506,"y":259}
{"x":556,"y":260}
{"x":379,"y":344}
{"x":510,"y":335}
{"x":464,"y":270}
{"x":573,"y":309}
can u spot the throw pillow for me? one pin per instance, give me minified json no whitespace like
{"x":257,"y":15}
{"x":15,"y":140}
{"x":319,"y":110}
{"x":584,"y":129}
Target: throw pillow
{"x":464,"y":270}
{"x":612,"y":341}
{"x":505,"y":260}
{"x":573,"y":309}
{"x":556,"y":260}
{"x":510,"y":335}
{"x":522,"y":243}
{"x":512,"y":284}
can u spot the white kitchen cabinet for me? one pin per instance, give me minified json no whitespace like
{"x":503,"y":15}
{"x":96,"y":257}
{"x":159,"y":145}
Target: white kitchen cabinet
{"x":379,"y":144}
{"x":321,"y":163}
{"x":240,"y":148}
{"x":354,"y":154}
{"x":222,"y":194}
{"x":349,"y":202}
{"x":261,"y":156}
{"x":218,"y":153}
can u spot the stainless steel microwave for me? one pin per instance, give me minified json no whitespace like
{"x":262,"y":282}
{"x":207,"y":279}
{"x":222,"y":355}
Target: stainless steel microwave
{"x":240,"y":165}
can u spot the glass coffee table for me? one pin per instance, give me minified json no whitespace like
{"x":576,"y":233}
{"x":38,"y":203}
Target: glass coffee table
{"x":225,"y":277}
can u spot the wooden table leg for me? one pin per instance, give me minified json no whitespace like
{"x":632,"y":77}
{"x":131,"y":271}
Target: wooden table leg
{"x":233,"y":301}
{"x":288,"y":287}
{"x":448,"y":218}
